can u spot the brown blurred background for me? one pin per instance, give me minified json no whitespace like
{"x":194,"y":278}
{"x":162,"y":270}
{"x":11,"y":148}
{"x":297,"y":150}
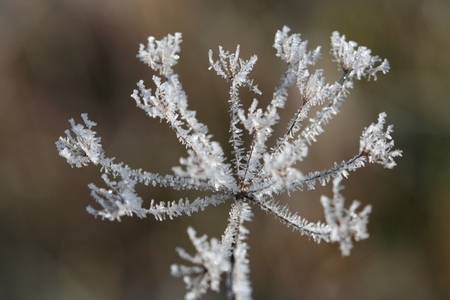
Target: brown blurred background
{"x":59,"y":59}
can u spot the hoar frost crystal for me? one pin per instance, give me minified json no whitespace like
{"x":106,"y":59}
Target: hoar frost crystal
{"x":256,"y":174}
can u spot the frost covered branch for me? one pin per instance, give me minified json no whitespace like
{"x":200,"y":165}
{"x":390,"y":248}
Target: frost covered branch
{"x":255,"y":174}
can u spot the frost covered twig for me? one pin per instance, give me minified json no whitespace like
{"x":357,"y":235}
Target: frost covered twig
{"x":255,"y":174}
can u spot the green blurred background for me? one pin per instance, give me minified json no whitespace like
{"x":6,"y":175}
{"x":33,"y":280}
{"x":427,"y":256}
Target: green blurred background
{"x":59,"y":59}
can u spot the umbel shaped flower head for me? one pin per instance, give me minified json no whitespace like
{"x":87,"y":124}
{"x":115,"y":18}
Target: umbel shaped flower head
{"x":256,"y":174}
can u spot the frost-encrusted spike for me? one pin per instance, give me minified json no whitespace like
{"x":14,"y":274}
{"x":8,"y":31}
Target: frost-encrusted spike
{"x":117,"y":201}
{"x":209,"y":263}
{"x":256,"y":173}
{"x":356,"y":62}
{"x":234,"y":246}
{"x":377,"y":144}
{"x":345,"y":224}
{"x":84,"y":148}
{"x":161,"y":55}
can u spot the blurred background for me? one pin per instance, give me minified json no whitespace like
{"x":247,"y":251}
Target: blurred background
{"x":59,"y":59}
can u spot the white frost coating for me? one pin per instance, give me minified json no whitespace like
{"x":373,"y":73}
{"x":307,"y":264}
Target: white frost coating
{"x":209,"y":262}
{"x":161,"y":55}
{"x":255,"y":173}
{"x":377,"y":144}
{"x":345,"y":224}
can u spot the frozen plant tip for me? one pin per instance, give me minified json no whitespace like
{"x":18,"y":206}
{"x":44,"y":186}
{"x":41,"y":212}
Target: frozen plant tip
{"x":255,"y":174}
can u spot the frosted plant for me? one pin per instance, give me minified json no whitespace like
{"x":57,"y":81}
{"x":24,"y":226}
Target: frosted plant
{"x":255,"y":174}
